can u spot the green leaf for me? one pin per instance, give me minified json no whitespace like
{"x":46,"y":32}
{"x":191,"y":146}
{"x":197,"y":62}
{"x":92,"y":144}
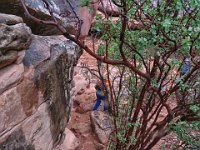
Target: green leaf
{"x":101,"y":50}
{"x":85,"y":3}
{"x":194,"y":108}
{"x":166,"y":23}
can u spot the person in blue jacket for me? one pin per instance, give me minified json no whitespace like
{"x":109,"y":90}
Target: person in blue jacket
{"x":185,"y":68}
{"x":101,"y":96}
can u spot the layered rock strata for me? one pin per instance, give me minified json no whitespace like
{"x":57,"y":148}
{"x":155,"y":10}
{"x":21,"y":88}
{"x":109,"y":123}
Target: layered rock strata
{"x":36,"y":76}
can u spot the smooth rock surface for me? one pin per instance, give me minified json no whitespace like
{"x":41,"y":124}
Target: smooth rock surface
{"x":20,"y":56}
{"x":10,"y":76}
{"x":29,"y":95}
{"x":8,"y":58}
{"x":11,"y":109}
{"x":39,"y":134}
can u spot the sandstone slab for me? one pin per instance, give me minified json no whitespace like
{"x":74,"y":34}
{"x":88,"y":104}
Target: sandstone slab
{"x":10,"y":76}
{"x":8,"y":58}
{"x":29,"y":95}
{"x":32,"y":134}
{"x":11,"y":109}
{"x":36,"y":129}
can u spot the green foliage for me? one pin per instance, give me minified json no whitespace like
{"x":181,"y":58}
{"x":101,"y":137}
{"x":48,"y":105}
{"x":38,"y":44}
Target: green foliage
{"x":195,"y":108}
{"x":166,"y":23}
{"x":182,"y":85}
{"x":154,"y":83}
{"x":136,"y":124}
{"x":101,"y":50}
{"x":163,"y":147}
{"x":85,"y":3}
{"x":182,"y":129}
{"x":120,"y":136}
{"x":166,"y":31}
{"x":196,"y":125}
{"x":133,"y":140}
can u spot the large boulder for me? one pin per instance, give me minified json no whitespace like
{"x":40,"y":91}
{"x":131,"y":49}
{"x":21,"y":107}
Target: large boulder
{"x":35,"y":94}
{"x":82,"y":128}
{"x":70,"y":142}
{"x":10,"y":19}
{"x":64,"y":12}
{"x":16,"y":37}
{"x":84,"y":108}
{"x":102,"y":125}
{"x":60,"y":7}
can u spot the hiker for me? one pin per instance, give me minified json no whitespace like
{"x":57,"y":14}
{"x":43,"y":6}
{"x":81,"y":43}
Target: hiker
{"x":102,"y":95}
{"x":185,"y":68}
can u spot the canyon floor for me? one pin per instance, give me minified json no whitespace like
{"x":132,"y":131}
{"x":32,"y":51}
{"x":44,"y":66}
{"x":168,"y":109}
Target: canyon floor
{"x":84,"y":92}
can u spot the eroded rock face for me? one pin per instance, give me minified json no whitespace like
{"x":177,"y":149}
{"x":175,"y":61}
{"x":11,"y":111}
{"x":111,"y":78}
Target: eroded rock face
{"x":60,"y":7}
{"x":64,"y":8}
{"x":102,"y":125}
{"x":13,"y":39}
{"x":16,"y":37}
{"x":35,"y":91}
